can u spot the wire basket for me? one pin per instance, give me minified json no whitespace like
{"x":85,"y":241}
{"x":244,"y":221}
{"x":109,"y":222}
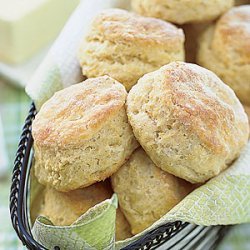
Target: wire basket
{"x":176,"y":235}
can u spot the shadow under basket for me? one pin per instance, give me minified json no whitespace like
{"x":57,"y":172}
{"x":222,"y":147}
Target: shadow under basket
{"x":176,"y":235}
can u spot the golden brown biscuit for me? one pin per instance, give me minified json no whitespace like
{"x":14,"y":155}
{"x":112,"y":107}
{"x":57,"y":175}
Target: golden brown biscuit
{"x":145,"y":192}
{"x":122,"y":227}
{"x":241,"y":2}
{"x":224,"y":48}
{"x":81,"y":135}
{"x":125,"y":46}
{"x":188,"y":121}
{"x":192,"y":33}
{"x":183,"y":11}
{"x":36,"y":196}
{"x":64,"y":208}
{"x":247,"y":110}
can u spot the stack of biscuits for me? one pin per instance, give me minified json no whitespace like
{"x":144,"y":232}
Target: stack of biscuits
{"x":146,"y":125}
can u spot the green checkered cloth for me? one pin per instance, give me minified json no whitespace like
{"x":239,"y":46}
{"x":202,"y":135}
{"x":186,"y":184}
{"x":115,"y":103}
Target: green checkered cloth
{"x":14,"y":105}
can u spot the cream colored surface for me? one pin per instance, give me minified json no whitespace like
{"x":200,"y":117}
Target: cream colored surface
{"x":63,"y":209}
{"x":26,"y":26}
{"x":81,"y":135}
{"x":183,"y":11}
{"x":14,"y":9}
{"x":126,"y":46}
{"x":225,"y":49}
{"x":189,"y":122}
{"x":145,"y":192}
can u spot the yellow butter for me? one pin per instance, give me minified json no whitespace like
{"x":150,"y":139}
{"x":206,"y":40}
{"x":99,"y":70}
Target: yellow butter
{"x":28,"y":25}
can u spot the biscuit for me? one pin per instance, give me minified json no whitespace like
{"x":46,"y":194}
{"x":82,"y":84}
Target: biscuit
{"x":183,"y":11}
{"x":145,"y":192}
{"x":64,"y":208}
{"x":81,"y":135}
{"x":224,"y":48}
{"x":122,"y":227}
{"x":192,"y":33}
{"x":188,"y":121}
{"x":247,"y":110}
{"x":125,"y":46}
{"x":242,"y":2}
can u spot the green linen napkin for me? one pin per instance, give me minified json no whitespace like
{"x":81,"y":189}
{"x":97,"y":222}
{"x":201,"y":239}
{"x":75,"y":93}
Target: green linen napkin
{"x":94,"y":230}
{"x":223,"y":200}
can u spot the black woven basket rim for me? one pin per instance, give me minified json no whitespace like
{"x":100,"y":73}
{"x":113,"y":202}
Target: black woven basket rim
{"x":19,"y":209}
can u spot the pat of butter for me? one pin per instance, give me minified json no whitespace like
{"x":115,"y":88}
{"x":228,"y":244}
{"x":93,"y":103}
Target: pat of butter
{"x":28,"y":25}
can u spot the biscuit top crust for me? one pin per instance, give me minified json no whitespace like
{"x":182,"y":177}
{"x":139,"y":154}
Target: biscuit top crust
{"x":191,"y":96}
{"x":76,"y":113}
{"x":118,"y":25}
{"x":231,"y":39}
{"x":64,"y":208}
{"x":204,"y":104}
